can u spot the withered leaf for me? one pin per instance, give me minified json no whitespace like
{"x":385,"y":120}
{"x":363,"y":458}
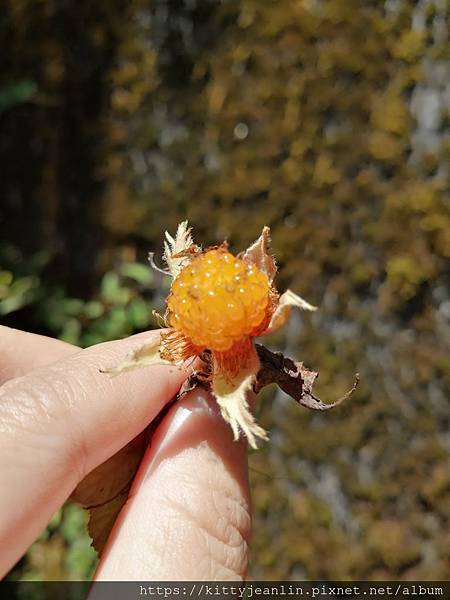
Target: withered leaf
{"x":293,"y":378}
{"x":112,"y":477}
{"x":105,"y":490}
{"x":102,"y":519}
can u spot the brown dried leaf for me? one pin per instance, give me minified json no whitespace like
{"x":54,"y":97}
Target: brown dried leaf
{"x":259,"y":254}
{"x":102,"y":519}
{"x":112,"y":477}
{"x":293,"y":378}
{"x":105,"y":490}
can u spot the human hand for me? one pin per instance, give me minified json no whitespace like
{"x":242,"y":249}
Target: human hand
{"x":188,"y":513}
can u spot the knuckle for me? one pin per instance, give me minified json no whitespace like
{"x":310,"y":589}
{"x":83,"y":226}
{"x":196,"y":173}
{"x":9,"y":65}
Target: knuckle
{"x":219,"y":517}
{"x":30,"y":401}
{"x":38,"y":409}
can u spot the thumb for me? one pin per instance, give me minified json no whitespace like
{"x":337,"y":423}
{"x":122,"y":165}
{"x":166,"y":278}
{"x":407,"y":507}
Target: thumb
{"x":188,"y":514}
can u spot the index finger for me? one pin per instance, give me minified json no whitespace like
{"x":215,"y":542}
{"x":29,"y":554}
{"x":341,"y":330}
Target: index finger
{"x":21,"y":351}
{"x":59,"y":422}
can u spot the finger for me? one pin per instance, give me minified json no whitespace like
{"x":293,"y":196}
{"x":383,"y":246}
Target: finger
{"x":21,"y":352}
{"x":188,"y":515}
{"x":59,"y":422}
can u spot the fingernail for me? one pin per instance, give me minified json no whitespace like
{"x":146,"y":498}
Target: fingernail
{"x":197,"y":404}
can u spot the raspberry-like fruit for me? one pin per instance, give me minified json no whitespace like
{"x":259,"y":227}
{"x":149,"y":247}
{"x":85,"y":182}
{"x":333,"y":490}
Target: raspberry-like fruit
{"x":218,"y":300}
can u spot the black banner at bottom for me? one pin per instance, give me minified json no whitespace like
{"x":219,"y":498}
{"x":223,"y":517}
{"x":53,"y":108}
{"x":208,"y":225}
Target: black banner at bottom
{"x":213,"y":590}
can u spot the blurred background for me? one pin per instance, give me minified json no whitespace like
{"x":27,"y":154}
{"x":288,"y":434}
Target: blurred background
{"x":327,"y":120}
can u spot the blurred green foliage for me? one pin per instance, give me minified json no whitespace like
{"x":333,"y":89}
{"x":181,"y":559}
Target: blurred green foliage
{"x":326,"y":120}
{"x":62,"y":552}
{"x":120,"y":307}
{"x":16,"y":93}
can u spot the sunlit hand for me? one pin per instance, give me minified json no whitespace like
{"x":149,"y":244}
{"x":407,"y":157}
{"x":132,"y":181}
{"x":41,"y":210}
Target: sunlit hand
{"x":188,"y":514}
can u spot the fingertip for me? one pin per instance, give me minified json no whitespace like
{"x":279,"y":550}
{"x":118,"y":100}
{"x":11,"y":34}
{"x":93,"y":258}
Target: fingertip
{"x":194,"y":421}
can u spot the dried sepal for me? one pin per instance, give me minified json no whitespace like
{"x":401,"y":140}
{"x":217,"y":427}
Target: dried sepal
{"x":259,"y":254}
{"x":147,"y":354}
{"x":231,"y":394}
{"x":293,"y":378}
{"x":178,"y":251}
{"x":283,"y":310}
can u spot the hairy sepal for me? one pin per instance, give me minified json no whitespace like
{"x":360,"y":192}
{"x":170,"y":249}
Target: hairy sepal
{"x":231,"y":393}
{"x":176,"y":249}
{"x":147,"y":354}
{"x":287,"y":301}
{"x":259,"y":255}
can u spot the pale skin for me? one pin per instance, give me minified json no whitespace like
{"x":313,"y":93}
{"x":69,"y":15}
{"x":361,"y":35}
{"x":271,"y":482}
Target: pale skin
{"x":188,"y":515}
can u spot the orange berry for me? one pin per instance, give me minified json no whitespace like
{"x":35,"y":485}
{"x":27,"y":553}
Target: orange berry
{"x":218,"y":300}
